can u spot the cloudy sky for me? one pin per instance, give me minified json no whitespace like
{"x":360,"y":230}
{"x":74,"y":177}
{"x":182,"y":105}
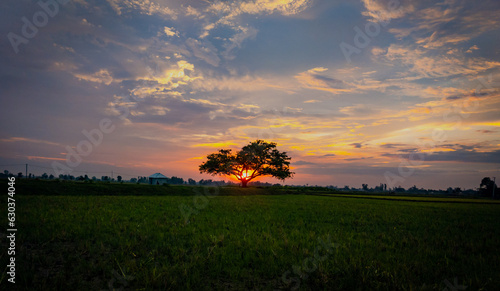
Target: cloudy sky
{"x":371,"y":91}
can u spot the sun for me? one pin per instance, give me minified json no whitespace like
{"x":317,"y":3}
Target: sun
{"x":246,"y":174}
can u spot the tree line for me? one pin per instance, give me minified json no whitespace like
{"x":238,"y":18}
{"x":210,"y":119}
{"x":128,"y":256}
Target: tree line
{"x":487,"y":187}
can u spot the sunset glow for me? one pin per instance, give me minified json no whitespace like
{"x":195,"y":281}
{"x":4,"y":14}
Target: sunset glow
{"x":246,"y":174}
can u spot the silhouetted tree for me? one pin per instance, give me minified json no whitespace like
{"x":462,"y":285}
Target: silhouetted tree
{"x":258,"y":158}
{"x":175,"y":181}
{"x":399,"y":189}
{"x":486,"y":187}
{"x":119,"y":178}
{"x":413,"y":189}
{"x":205,"y":182}
{"x":191,"y":181}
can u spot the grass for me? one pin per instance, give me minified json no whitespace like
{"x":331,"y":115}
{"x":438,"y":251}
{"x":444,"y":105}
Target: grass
{"x":416,"y":198}
{"x":246,"y":239}
{"x":68,"y":188}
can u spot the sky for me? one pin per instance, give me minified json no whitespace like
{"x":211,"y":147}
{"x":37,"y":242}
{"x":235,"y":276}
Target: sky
{"x":371,"y":91}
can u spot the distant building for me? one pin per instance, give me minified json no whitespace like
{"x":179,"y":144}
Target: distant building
{"x":157,"y":179}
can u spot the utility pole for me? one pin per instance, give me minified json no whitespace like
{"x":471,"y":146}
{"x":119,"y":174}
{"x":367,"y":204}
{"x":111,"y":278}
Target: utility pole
{"x":494,"y":186}
{"x":26,"y":171}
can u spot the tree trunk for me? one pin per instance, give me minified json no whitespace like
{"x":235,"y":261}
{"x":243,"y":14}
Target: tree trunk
{"x":244,"y":183}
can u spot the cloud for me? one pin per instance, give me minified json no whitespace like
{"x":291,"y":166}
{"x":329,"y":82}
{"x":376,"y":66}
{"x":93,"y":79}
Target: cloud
{"x":191,"y":11}
{"x":176,"y":75}
{"x":245,"y":83}
{"x":304,"y":163}
{"x":444,"y":25}
{"x":229,"y":12}
{"x":358,"y":110}
{"x":378,"y":51}
{"x":392,"y":145}
{"x":30,"y":140}
{"x":45,"y":158}
{"x":216,"y":145}
{"x":386,"y":10}
{"x":486,"y":131}
{"x":333,"y":170}
{"x":471,"y":49}
{"x":204,"y":50}
{"x":170,"y":31}
{"x":426,"y":64}
{"x":102,"y":76}
{"x":313,"y":79}
{"x":465,"y":156}
{"x":443,"y":40}
{"x":148,"y":7}
{"x":237,"y":40}
{"x":237,"y":8}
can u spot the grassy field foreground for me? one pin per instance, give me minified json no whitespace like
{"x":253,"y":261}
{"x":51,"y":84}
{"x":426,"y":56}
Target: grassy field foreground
{"x":101,"y":242}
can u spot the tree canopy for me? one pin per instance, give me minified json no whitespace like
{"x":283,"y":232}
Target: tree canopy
{"x":258,"y":158}
{"x":488,"y":187}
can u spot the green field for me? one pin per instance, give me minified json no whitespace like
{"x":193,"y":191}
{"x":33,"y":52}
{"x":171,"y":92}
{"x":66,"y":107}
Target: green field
{"x":75,"y":236}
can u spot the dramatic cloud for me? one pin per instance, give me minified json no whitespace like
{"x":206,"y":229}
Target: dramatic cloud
{"x":385,"y":10}
{"x":315,"y":79}
{"x":176,"y":80}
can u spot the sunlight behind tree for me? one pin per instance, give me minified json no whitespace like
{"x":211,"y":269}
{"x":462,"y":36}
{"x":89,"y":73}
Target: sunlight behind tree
{"x":258,"y":158}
